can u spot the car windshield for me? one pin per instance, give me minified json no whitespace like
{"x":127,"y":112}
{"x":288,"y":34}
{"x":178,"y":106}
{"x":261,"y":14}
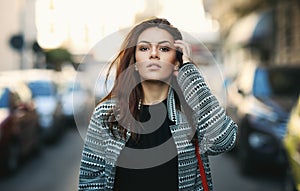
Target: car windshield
{"x":42,"y":88}
{"x":276,"y":82}
{"x":4,"y":98}
{"x":73,"y":87}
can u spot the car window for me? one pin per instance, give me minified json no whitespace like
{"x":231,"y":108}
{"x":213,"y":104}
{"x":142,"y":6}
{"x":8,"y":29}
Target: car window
{"x":72,"y":87}
{"x":261,"y":84}
{"x":42,"y":88}
{"x":4,"y":98}
{"x":285,"y":81}
{"x":276,"y":82}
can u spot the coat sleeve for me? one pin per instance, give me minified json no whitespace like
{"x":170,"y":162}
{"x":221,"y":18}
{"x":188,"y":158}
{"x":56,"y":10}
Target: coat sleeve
{"x":92,"y":168}
{"x":216,"y":130}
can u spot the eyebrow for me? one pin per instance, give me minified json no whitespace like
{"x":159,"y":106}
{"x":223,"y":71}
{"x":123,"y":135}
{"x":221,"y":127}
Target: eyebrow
{"x":160,"y":42}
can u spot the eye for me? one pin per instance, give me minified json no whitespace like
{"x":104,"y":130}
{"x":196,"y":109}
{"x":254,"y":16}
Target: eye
{"x":164,"y":49}
{"x":143,"y":48}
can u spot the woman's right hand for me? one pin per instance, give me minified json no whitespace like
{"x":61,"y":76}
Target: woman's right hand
{"x":185,"y":49}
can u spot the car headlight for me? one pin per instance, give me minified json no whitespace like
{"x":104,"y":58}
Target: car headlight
{"x":260,"y":141}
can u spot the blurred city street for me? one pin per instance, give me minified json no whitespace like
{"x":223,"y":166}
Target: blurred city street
{"x":226,"y":177}
{"x":56,"y":169}
{"x":53,"y":64}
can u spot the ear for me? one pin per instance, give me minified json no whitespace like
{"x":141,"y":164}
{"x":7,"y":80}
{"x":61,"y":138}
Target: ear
{"x":176,"y":66}
{"x":135,"y":67}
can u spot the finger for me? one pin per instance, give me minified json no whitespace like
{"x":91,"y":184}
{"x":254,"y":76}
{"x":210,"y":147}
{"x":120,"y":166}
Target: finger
{"x":185,"y":47}
{"x":182,"y":42}
{"x":182,"y":47}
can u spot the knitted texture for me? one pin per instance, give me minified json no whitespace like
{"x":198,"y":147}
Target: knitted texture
{"x":216,"y":134}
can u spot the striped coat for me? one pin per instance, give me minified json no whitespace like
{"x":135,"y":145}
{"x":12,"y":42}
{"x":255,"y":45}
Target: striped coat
{"x":217,"y":134}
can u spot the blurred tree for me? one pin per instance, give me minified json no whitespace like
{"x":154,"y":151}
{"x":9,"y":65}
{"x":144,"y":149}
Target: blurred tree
{"x":36,"y":48}
{"x":56,"y":57}
{"x":17,"y":42}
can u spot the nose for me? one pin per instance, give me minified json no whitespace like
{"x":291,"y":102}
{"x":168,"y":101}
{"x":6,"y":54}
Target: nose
{"x":154,"y":52}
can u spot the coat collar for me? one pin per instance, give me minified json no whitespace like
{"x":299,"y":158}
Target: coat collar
{"x":172,"y":112}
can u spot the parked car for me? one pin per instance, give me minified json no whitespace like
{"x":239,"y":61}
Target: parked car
{"x":260,"y":100}
{"x":19,"y":130}
{"x":77,"y":102}
{"x":49,"y":108}
{"x":292,"y":146}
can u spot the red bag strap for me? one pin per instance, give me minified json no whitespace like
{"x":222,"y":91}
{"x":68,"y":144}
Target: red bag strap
{"x":201,"y":167}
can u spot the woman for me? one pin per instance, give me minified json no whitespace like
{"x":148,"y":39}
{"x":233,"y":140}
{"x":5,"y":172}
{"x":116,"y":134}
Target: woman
{"x":142,"y":135}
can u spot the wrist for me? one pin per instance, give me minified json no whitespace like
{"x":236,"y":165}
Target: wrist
{"x":184,"y":63}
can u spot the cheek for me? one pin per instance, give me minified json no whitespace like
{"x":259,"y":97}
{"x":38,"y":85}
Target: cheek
{"x":136,"y":55}
{"x":169,"y":69}
{"x":139,"y":57}
{"x":171,"y":58}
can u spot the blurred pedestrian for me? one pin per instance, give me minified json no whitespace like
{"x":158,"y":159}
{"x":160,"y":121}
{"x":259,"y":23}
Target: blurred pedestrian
{"x":160,"y":122}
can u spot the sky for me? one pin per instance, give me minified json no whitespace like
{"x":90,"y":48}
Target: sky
{"x":80,"y":24}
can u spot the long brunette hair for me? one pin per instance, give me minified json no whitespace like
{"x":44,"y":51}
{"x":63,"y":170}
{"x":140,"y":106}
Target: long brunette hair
{"x":126,"y":76}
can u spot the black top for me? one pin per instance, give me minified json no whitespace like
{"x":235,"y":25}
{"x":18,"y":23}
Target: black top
{"x":160,"y":177}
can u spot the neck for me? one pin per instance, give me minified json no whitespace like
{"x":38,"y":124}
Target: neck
{"x":154,"y":92}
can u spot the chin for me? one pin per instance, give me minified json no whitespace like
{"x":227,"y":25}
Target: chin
{"x":155,"y":80}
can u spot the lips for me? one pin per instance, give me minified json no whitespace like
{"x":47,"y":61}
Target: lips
{"x":153,"y":65}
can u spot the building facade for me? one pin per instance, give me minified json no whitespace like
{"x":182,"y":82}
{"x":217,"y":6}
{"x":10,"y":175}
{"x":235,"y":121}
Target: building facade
{"x":285,"y":27}
{"x":17,"y":17}
{"x":287,"y":47}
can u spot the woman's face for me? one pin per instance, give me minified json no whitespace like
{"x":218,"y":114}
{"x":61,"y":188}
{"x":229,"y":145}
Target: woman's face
{"x":155,"y":54}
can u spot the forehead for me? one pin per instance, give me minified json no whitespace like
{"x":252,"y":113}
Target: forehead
{"x":155,"y":35}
